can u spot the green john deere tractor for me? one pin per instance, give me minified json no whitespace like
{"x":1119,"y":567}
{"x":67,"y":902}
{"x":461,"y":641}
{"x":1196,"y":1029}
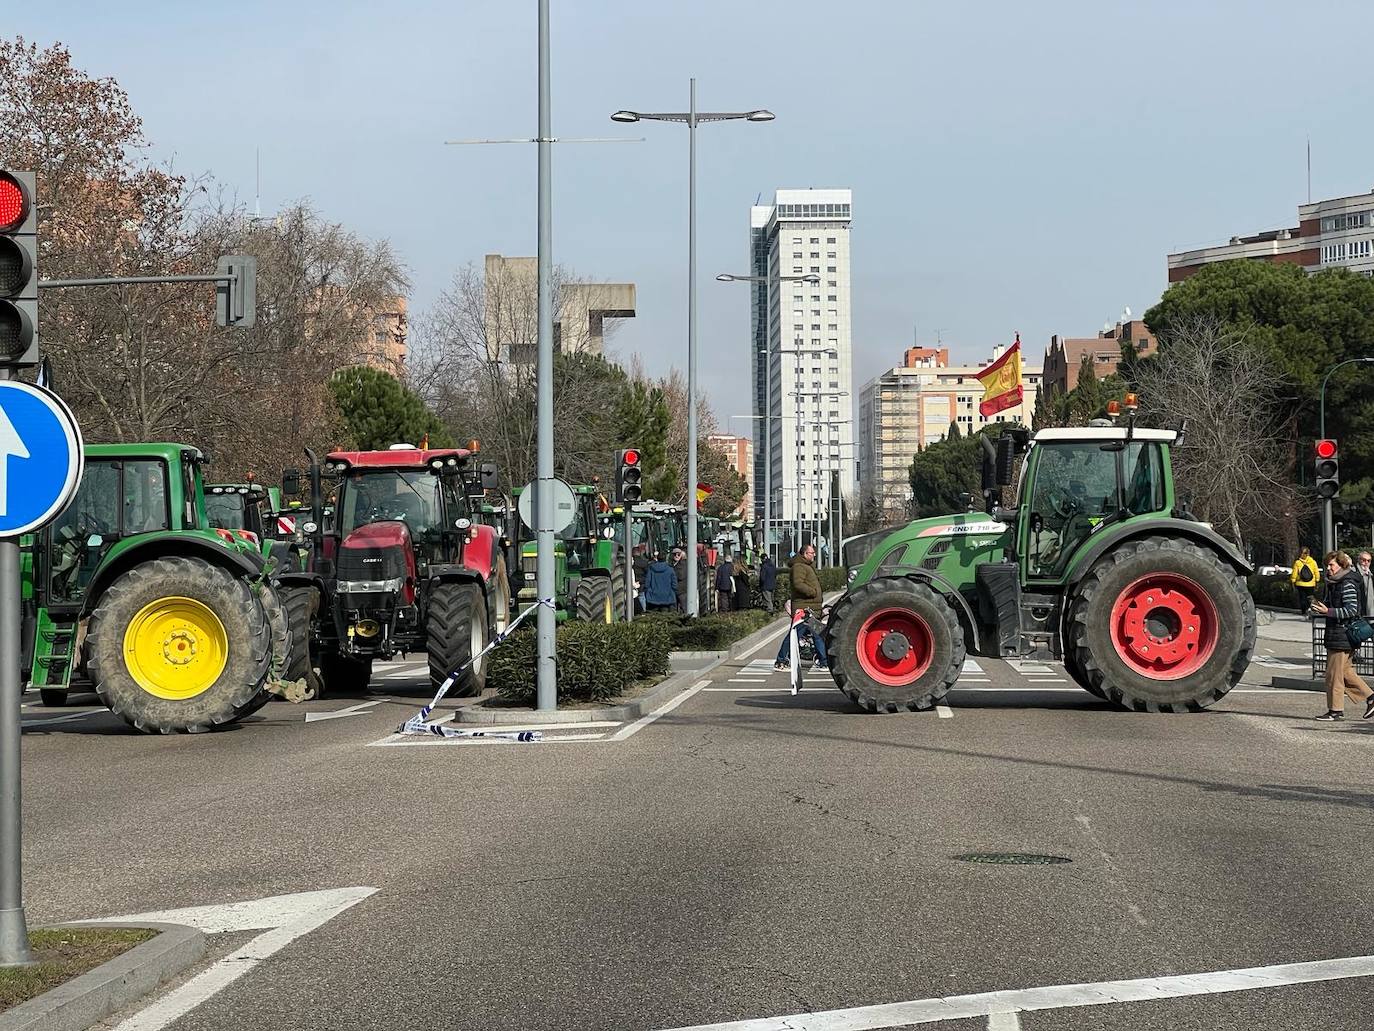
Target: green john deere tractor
{"x":590,"y":581}
{"x":174,"y":624}
{"x":1096,"y":563}
{"x":242,"y":506}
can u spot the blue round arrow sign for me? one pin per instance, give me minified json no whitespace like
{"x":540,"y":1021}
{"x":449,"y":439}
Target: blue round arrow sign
{"x":40,"y":457}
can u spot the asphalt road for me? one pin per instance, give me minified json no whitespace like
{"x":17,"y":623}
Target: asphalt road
{"x":747,"y":855}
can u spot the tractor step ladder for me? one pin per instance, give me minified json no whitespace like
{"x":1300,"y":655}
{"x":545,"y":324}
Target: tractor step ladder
{"x":52,"y":654}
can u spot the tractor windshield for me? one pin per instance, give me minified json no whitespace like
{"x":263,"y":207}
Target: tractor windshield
{"x":225,"y":511}
{"x":374,"y":495}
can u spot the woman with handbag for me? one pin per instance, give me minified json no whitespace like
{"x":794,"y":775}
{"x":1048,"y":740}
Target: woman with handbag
{"x":1345,"y":632}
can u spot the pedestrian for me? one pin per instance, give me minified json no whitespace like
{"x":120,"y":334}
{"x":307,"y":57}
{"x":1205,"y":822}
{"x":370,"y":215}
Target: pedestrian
{"x":660,"y":585}
{"x":1342,"y":605}
{"x":725,"y":586}
{"x":641,"y":568}
{"x":768,"y":581}
{"x":680,"y":571}
{"x":741,"y":579}
{"x":1366,"y":583}
{"x":1305,"y":578}
{"x":806,"y":594}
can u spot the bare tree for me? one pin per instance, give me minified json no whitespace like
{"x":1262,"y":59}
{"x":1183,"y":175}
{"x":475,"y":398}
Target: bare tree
{"x":1212,"y":375}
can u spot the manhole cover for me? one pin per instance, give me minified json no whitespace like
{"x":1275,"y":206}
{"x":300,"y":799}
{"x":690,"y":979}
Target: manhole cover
{"x":1012,"y":858}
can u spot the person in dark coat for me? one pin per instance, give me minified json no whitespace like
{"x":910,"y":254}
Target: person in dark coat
{"x":640,"y":563}
{"x":660,"y":586}
{"x":680,"y":569}
{"x":768,"y":581}
{"x":741,"y":579}
{"x":1343,"y":597}
{"x":725,"y":586}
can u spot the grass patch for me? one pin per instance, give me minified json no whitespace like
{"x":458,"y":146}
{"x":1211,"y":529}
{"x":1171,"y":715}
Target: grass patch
{"x":62,"y":954}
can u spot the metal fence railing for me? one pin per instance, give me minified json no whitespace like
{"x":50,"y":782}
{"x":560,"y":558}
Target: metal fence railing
{"x":1364,"y":657}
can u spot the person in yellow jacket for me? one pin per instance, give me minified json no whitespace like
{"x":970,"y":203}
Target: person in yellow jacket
{"x":1305,"y":578}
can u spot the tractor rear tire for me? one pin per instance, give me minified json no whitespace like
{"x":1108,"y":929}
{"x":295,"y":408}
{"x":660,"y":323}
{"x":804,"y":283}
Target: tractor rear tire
{"x":598,"y":600}
{"x":344,"y":675}
{"x":153,"y":624}
{"x":927,"y":652}
{"x":455,"y":631}
{"x":301,"y":605}
{"x":1162,"y":625}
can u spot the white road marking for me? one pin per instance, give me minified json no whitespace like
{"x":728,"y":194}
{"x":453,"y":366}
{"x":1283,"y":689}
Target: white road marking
{"x":663,"y":710}
{"x":431,"y":741}
{"x":284,"y":918}
{"x":944,"y":712}
{"x":746,"y":690}
{"x":756,"y":647}
{"x":1050,"y":997}
{"x":61,"y":719}
{"x":1004,"y":1022}
{"x":972,"y":667}
{"x":352,"y":710}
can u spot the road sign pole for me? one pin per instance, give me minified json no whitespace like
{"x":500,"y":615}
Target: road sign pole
{"x":14,"y":930}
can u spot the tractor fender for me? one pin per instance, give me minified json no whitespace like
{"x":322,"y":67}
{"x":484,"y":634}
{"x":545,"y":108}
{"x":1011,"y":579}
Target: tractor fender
{"x":303,"y":580}
{"x":481,"y":550}
{"x":175,"y":545}
{"x":944,"y":587}
{"x":1199,"y":533}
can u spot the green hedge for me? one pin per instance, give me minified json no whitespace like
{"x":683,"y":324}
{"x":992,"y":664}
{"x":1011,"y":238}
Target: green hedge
{"x":596,"y":661}
{"x":1273,"y":591}
{"x":713,"y":632}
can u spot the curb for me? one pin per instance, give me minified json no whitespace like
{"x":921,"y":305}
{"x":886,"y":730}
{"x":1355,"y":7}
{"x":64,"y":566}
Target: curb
{"x":1298,"y":684}
{"x":641,"y":706}
{"x":82,"y":1001}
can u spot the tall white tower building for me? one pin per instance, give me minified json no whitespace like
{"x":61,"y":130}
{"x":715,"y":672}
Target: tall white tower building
{"x":802,"y":357}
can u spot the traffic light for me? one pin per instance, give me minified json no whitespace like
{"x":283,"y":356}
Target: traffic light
{"x":236,"y":301}
{"x":1328,"y":468}
{"x":18,"y":271}
{"x":629,"y":477}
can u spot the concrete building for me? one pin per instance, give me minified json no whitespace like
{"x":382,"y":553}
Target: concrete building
{"x":911,"y":406}
{"x":740,"y":453}
{"x":511,"y":324}
{"x":802,"y":352}
{"x":1064,"y":356}
{"x":387,"y":348}
{"x":1335,"y":233}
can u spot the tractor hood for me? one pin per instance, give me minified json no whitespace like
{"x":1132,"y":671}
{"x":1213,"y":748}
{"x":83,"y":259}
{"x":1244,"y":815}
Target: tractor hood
{"x":948,"y":546}
{"x":376,"y":552}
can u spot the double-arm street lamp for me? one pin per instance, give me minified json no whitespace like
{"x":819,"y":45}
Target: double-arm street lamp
{"x":767,"y":453}
{"x":692,"y":118}
{"x":818,"y":395}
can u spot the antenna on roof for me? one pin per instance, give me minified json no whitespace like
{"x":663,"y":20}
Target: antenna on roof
{"x":1309,"y":168}
{"x":257,"y":187}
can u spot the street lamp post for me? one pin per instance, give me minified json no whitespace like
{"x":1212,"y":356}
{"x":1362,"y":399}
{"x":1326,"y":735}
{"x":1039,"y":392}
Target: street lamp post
{"x":692,"y":118}
{"x":801,"y":435}
{"x":809,"y":277}
{"x":1328,"y":537}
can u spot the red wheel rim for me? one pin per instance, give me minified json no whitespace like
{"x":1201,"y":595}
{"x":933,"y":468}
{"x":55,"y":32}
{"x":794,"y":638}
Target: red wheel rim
{"x":901,"y":663}
{"x":1164,"y":626}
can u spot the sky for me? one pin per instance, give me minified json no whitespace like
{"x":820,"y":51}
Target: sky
{"x":1016,"y":167}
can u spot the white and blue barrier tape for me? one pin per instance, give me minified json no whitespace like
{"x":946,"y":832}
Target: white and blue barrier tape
{"x":417,"y":724}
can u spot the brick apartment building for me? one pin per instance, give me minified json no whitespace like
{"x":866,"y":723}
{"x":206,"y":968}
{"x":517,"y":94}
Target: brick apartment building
{"x":1064,"y":356}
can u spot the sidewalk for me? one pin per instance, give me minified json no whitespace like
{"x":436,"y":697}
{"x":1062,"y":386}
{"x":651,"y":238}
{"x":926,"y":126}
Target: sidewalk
{"x":1286,"y":626}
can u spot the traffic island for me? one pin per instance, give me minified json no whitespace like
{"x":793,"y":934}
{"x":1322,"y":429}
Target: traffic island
{"x":688,"y":667}
{"x":85,"y":972}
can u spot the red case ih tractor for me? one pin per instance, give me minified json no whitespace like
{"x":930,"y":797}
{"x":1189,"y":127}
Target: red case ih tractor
{"x":400,"y":565}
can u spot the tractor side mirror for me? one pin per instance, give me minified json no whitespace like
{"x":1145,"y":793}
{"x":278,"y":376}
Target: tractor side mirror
{"x":94,"y":541}
{"x":965,"y":500}
{"x":491,"y":476}
{"x":1006,"y":460}
{"x":988,"y":470}
{"x":290,"y":481}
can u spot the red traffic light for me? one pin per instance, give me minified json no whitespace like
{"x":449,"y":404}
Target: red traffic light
{"x":630,"y":457}
{"x":1325,"y":448}
{"x":14,"y":203}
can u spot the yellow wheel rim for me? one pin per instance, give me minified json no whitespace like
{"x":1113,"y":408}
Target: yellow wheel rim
{"x":175,"y":648}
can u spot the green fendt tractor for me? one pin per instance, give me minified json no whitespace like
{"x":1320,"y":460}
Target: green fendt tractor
{"x":589,"y":584}
{"x":1096,"y":563}
{"x":174,"y":624}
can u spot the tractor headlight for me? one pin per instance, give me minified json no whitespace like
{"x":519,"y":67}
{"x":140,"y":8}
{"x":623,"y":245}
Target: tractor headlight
{"x":852,"y":574}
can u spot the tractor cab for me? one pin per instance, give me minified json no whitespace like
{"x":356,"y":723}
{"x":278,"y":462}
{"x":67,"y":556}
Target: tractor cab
{"x":240,"y":506}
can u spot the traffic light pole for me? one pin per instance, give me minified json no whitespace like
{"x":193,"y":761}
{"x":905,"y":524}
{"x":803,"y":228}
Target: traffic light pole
{"x":14,"y":931}
{"x":629,"y":567}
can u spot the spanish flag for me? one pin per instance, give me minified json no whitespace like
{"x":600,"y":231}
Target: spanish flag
{"x":1002,"y":382}
{"x":704,"y":491}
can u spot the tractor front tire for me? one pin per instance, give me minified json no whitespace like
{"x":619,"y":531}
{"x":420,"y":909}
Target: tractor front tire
{"x":1162,"y":625}
{"x":344,"y":675}
{"x":1075,"y":671}
{"x":179,"y":645}
{"x":895,"y":643}
{"x":455,"y":631}
{"x":597,"y":599}
{"x":301,"y":605}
